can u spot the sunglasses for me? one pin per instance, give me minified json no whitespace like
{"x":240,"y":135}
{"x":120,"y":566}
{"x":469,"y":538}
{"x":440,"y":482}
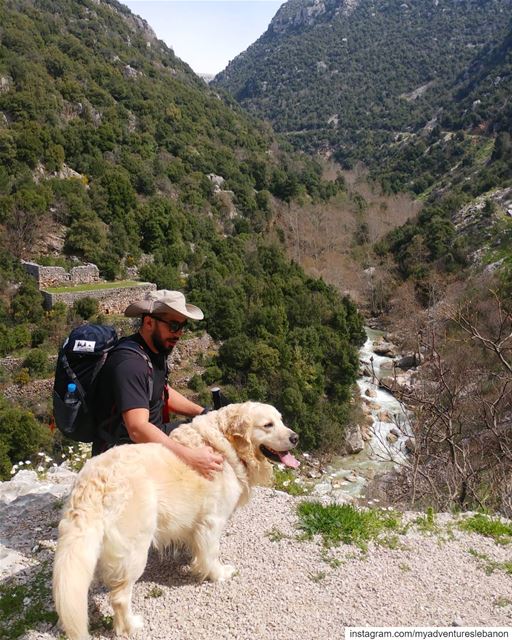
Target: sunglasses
{"x":173,"y":325}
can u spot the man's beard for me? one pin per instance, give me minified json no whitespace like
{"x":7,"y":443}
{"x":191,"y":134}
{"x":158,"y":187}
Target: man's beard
{"x":160,"y":346}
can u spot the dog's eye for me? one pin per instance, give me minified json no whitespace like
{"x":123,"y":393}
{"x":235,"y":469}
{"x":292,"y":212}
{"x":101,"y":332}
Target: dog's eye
{"x":269,"y":425}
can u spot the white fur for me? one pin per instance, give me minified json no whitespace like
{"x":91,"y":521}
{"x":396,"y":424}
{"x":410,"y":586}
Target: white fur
{"x":135,"y":496}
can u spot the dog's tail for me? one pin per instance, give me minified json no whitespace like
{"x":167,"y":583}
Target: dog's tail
{"x":78,"y":549}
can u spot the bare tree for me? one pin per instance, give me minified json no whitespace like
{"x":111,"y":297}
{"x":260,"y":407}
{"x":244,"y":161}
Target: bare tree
{"x":461,"y":410}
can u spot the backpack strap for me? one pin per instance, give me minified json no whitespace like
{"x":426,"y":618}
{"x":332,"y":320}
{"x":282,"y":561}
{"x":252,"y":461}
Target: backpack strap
{"x":135,"y":347}
{"x":127,"y":345}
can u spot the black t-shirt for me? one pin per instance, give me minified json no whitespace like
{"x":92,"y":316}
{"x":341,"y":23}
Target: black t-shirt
{"x":123,"y":384}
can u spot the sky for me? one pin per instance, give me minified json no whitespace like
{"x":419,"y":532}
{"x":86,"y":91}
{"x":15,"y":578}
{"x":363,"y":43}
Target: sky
{"x":206,"y":34}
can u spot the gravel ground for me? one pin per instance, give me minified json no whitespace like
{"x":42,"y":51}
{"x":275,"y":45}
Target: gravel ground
{"x":289,"y":589}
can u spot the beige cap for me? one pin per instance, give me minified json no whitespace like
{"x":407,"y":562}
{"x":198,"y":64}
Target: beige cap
{"x":163,"y":301}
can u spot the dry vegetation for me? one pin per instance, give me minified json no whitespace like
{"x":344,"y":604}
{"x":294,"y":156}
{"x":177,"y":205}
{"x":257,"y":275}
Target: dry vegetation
{"x":333,"y":239}
{"x":461,"y":403}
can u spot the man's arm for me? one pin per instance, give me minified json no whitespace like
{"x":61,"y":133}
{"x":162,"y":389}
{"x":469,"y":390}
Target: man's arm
{"x":202,"y":459}
{"x":181,"y":405}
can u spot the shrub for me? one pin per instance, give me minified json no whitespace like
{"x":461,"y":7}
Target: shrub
{"x":37,"y":363}
{"x":22,"y":377}
{"x":86,"y":307}
{"x":27,"y":304}
{"x":39,"y":335}
{"x":21,"y":436}
{"x":196,"y":383}
{"x":212,"y":374}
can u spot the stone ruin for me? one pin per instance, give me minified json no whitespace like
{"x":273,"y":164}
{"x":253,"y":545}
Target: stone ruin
{"x":111,"y":300}
{"x":59,"y":277}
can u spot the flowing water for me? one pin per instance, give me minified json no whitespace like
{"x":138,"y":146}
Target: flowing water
{"x":350,"y":474}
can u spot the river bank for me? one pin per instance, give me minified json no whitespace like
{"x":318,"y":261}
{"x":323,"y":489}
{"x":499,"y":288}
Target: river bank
{"x":379,"y":445}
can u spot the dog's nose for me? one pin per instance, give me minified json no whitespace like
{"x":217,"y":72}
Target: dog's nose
{"x":294,"y":438}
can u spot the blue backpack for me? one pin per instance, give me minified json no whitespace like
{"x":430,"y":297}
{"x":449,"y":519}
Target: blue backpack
{"x":79,"y":362}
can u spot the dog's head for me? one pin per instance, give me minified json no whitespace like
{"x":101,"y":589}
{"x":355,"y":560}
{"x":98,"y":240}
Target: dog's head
{"x":258,"y":434}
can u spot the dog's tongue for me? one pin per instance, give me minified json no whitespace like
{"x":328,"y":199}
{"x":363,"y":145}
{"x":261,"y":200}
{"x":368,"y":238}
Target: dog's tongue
{"x":287,"y":459}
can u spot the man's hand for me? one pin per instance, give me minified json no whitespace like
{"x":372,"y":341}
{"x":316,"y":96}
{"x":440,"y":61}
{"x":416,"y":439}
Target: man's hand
{"x":204,"y":460}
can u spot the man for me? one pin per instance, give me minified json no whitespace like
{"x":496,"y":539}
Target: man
{"x":124,"y":409}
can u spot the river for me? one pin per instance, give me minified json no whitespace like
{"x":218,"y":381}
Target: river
{"x":349,"y":475}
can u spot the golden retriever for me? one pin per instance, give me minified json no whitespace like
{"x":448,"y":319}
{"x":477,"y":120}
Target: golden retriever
{"x":133,"y":496}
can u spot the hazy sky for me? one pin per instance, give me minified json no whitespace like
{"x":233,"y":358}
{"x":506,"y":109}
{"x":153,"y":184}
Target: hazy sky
{"x":206,"y":34}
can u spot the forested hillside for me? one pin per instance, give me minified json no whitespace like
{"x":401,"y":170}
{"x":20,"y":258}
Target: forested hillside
{"x":420,"y":93}
{"x":347,"y":78}
{"x":108,"y":139}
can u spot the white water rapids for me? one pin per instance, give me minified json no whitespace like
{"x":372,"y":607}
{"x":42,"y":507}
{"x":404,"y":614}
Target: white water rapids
{"x":350,"y":474}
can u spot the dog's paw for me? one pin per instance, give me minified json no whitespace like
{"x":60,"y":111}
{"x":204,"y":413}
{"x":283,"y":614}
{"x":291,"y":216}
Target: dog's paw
{"x":224,"y":572}
{"x":136,"y":623}
{"x":129,"y":626}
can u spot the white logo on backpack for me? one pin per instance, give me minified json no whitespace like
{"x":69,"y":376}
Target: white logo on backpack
{"x":86,"y":346}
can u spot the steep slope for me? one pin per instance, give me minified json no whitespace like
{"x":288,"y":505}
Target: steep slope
{"x":110,"y":141}
{"x":468,"y":139}
{"x":346,"y":77}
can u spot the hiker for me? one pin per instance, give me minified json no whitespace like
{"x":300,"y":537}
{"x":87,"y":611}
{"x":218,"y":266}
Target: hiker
{"x":123,"y":407}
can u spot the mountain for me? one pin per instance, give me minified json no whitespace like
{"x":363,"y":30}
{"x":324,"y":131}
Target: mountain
{"x":350,"y":77}
{"x":113,"y":151}
{"x":468,"y":133}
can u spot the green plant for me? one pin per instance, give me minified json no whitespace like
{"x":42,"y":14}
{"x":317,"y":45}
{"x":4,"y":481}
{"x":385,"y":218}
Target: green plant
{"x":489,"y":565}
{"x":427,"y":523}
{"x":389,"y":541}
{"x":344,"y":523}
{"x":285,"y":480}
{"x":101,"y":623}
{"x":36,"y":362}
{"x":86,"y":307}
{"x":24,"y":605}
{"x":317,"y":577}
{"x":22,"y":377}
{"x":196,"y":383}
{"x":330,"y":560}
{"x":275,"y":535}
{"x":493,"y":528}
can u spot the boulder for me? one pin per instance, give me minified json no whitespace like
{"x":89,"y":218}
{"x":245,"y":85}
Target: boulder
{"x":410,"y":445}
{"x":391,"y":438}
{"x":371,"y":393}
{"x":407,"y":362}
{"x":383,"y":348}
{"x":366,"y":432}
{"x":354,"y":441}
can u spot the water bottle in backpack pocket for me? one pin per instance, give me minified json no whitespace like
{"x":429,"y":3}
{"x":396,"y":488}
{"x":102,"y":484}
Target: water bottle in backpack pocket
{"x":66,"y":410}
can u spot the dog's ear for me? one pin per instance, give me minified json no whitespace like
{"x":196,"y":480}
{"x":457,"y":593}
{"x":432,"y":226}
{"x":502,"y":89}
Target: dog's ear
{"x":238,"y":420}
{"x":244,"y":448}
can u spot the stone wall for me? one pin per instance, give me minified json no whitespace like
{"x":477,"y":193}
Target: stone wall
{"x":113,"y":300}
{"x":58,"y":276}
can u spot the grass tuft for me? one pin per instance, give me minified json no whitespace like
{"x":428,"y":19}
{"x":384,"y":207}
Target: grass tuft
{"x":489,"y":565}
{"x":24,"y":606}
{"x":344,"y":523}
{"x":285,"y":480}
{"x":493,"y":528}
{"x":427,"y":523}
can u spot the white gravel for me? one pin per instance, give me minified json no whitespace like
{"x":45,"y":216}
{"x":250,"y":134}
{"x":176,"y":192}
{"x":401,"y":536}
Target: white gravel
{"x":287,"y":589}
